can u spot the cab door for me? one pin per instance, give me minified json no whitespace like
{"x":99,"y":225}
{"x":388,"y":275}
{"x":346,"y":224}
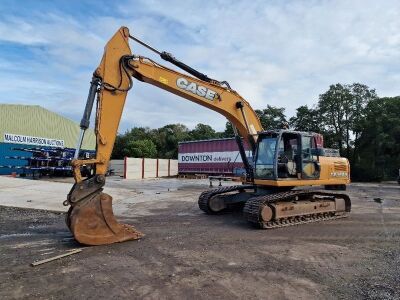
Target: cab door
{"x":310,"y":166}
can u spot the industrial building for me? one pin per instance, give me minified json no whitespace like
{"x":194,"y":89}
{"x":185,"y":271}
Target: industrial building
{"x":32,"y":126}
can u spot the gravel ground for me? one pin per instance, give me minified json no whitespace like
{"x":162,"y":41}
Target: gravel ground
{"x":187,"y":254}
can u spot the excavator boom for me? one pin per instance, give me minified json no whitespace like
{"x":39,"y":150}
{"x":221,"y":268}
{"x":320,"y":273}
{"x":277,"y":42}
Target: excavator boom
{"x":90,"y":217}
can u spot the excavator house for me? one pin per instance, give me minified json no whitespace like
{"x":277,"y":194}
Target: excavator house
{"x":271,"y":192}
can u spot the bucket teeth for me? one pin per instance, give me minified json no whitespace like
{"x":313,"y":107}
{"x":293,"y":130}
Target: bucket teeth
{"x":92,"y":222}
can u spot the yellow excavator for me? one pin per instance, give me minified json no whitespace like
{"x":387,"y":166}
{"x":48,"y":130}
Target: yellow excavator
{"x":283,"y":160}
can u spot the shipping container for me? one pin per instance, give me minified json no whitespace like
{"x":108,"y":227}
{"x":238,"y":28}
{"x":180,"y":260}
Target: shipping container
{"x":213,"y":157}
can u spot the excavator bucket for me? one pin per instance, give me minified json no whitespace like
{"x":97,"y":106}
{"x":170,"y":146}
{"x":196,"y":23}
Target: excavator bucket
{"x":92,"y":222}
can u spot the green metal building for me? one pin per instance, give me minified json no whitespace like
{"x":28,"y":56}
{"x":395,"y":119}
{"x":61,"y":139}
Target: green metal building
{"x":34,"y":126}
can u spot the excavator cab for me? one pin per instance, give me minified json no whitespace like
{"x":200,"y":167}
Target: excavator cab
{"x":287,"y":155}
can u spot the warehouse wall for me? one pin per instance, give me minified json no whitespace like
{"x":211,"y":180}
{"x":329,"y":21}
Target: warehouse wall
{"x":36,"y":121}
{"x":139,"y":168}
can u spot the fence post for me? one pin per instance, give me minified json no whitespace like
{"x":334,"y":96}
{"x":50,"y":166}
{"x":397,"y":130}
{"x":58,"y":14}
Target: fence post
{"x":157,"y":169}
{"x":142,"y":168}
{"x":125,"y":165}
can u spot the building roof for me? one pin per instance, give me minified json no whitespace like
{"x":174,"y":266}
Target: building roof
{"x":36,"y":121}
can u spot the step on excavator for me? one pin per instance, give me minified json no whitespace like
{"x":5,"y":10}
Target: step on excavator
{"x":283,"y":160}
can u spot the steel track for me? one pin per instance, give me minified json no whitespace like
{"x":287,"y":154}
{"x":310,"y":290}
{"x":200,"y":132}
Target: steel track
{"x":207,"y":195}
{"x":253,"y":207}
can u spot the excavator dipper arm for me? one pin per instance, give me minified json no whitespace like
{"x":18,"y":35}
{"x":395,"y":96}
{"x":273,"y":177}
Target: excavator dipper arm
{"x":90,"y":217}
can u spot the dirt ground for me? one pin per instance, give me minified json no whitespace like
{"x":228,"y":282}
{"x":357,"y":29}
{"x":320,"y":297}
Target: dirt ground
{"x":187,"y":254}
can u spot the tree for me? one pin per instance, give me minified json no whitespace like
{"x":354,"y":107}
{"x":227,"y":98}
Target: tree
{"x":272,"y":117}
{"x":378,"y":157}
{"x":306,"y":119}
{"x":228,"y":132}
{"x":333,"y":106}
{"x":141,"y":142}
{"x":121,"y":148}
{"x":341,"y":109}
{"x":362,"y":96}
{"x":167,"y":138}
{"x":141,"y":148}
{"x":203,"y":132}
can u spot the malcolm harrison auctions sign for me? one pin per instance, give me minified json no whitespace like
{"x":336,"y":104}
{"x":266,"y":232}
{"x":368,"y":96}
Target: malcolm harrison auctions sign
{"x":32,"y":140}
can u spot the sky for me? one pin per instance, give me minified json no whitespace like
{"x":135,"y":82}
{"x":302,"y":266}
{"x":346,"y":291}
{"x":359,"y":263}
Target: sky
{"x":281,"y":53}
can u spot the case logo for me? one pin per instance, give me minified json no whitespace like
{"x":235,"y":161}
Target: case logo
{"x":196,"y":89}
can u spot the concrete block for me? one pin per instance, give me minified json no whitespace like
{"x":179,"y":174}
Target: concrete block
{"x":133,"y":168}
{"x":150,"y":168}
{"x":162,"y":167}
{"x":173,"y":167}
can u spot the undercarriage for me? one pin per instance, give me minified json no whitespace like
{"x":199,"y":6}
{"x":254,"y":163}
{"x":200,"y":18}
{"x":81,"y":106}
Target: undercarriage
{"x":268,"y":209}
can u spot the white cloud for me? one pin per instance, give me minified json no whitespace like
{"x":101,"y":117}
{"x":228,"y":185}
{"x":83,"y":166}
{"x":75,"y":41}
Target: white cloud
{"x":272,"y":52}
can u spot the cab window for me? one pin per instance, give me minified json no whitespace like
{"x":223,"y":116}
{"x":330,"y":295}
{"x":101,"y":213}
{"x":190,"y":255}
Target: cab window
{"x":266,"y":158}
